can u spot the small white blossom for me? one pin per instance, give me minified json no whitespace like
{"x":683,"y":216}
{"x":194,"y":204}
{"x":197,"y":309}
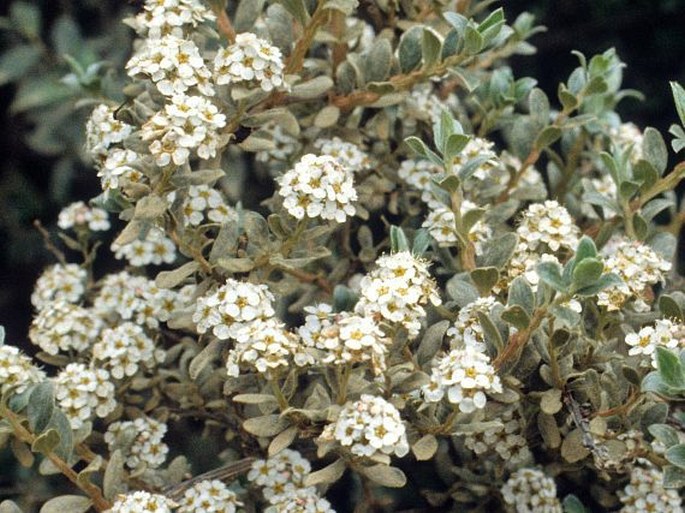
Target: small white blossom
{"x":79,"y":215}
{"x":464,"y":376}
{"x":63,"y":326}
{"x":156,"y":248}
{"x":529,"y":490}
{"x":550,"y":224}
{"x":209,"y":496}
{"x":173,"y":64}
{"x":507,"y":440}
{"x":170,"y":17}
{"x":232,"y":308}
{"x":638,"y":266}
{"x":318,"y":187}
{"x":125,"y":349}
{"x":65,"y":282}
{"x":103,"y":130}
{"x":424,"y":105}
{"x":664,"y":334}
{"x":119,"y":168}
{"x":344,"y":338}
{"x":84,"y":393}
{"x":440,"y":223}
{"x":646,"y":493}
{"x":203,"y":203}
{"x":250,"y":59}
{"x":369,"y":426}
{"x":147,"y":447}
{"x":142,"y":502}
{"x":348,"y":154}
{"x":301,"y":500}
{"x":419,"y":174}
{"x":477,"y":148}
{"x":280,"y":475}
{"x":467,"y":331}
{"x":17,"y":370}
{"x":628,"y":135}
{"x":396,"y":291}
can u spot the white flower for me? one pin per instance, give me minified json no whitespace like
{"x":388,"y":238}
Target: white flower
{"x":369,"y":426}
{"x":232,"y":308}
{"x":301,"y":500}
{"x":467,"y":331}
{"x":348,"y":154}
{"x":66,"y":282}
{"x":550,"y":224}
{"x":80,"y":215}
{"x":156,"y":248}
{"x":507,"y":440}
{"x":344,"y":338}
{"x":250,"y":59}
{"x":646,"y":493}
{"x":173,"y":64}
{"x":440,"y":223}
{"x":119,"y":168}
{"x":420,"y":174}
{"x":84,"y":393}
{"x":318,"y":187}
{"x":204,"y":202}
{"x":464,"y":376}
{"x":424,"y":105}
{"x":397,"y":290}
{"x":285,"y":144}
{"x":638,"y":266}
{"x":209,"y":497}
{"x":63,"y":326}
{"x":529,"y":490}
{"x":170,"y":17}
{"x":628,"y":136}
{"x":477,"y":148}
{"x":146,"y":447}
{"x":102,"y":131}
{"x":142,"y":502}
{"x":16,"y":370}
{"x":125,"y":349}
{"x":664,"y":334}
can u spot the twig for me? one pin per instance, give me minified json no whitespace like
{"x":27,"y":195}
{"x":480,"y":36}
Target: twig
{"x":225,"y":473}
{"x":48,"y":243}
{"x":296,"y":59}
{"x":223,"y":23}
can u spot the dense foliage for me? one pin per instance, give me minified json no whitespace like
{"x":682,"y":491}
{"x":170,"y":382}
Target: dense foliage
{"x":362,"y":265}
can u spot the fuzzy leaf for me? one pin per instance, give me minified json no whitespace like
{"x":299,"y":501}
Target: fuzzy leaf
{"x":572,"y":504}
{"x":664,"y":433}
{"x":431,"y":342}
{"x":517,"y":316}
{"x":266,"y":425}
{"x":498,"y":251}
{"x":46,"y":442}
{"x":670,"y":369}
{"x":398,"y":240}
{"x":9,"y":507}
{"x":282,"y":440}
{"x":205,"y":357}
{"x":676,"y":455}
{"x":409,"y":49}
{"x":329,"y":474}
{"x":425,"y":448}
{"x":679,"y":99}
{"x":674,"y":477}
{"x":385,"y":475}
{"x":114,"y":480}
{"x":169,"y":279}
{"x":485,"y":278}
{"x":550,"y":273}
{"x":67,"y":503}
{"x":521,"y":294}
{"x":40,"y":407}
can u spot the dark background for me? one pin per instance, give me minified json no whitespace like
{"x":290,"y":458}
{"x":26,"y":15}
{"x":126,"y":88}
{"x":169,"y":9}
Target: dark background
{"x":648,"y":35}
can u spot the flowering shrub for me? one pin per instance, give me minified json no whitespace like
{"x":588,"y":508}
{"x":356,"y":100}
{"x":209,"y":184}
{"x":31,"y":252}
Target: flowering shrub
{"x":359,"y":257}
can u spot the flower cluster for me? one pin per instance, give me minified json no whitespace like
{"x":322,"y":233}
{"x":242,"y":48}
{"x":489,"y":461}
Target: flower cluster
{"x":78,"y":215}
{"x":348,"y":154}
{"x":664,"y":334}
{"x":66,"y":282}
{"x":17,"y":371}
{"x":424,"y":105}
{"x":119,"y":169}
{"x":103,"y":130}
{"x":369,"y":426}
{"x":232,"y":308}
{"x":550,"y":224}
{"x":140,"y":440}
{"x":211,"y":496}
{"x":83,"y":393}
{"x":419,"y":174}
{"x":638,"y":266}
{"x":464,"y":376}
{"x":142,"y":502}
{"x":170,"y":17}
{"x":281,"y":478}
{"x":173,"y":64}
{"x":250,"y":59}
{"x":204,"y":203}
{"x":646,"y":492}
{"x":529,"y":490}
{"x":397,"y":290}
{"x":284,"y":145}
{"x":265,"y":345}
{"x":318,"y":187}
{"x":156,"y":248}
{"x":467,"y":331}
{"x":344,"y":338}
{"x":481,"y":149}
{"x":187,"y":124}
{"x":441,"y":220}
{"x":63,"y":326}
{"x":628,"y":136}
{"x":125,"y":348}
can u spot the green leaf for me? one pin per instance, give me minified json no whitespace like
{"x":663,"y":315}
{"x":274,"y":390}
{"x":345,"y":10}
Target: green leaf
{"x":665,"y":434}
{"x":670,"y":308}
{"x":473,"y":41}
{"x":572,"y":504}
{"x":547,"y":137}
{"x":378,"y":61}
{"x":516,"y":316}
{"x":46,"y":442}
{"x":26,"y":19}
{"x":550,"y":273}
{"x":521,"y":294}
{"x":491,"y":26}
{"x":641,"y":227}
{"x":419,"y":147}
{"x":485,"y":278}
{"x":246,"y":14}
{"x":425,"y":448}
{"x":674,"y":477}
{"x":114,"y":480}
{"x":67,"y":503}
{"x":40,"y":93}
{"x":398,"y":240}
{"x":170,"y":279}
{"x":604,"y":281}
{"x":679,"y":142}
{"x":431,"y":48}
{"x":492,"y":334}
{"x":422,"y":241}
{"x":17,"y":61}
{"x":237,"y":265}
{"x":410,"y":49}
{"x":344,"y":299}
{"x":385,"y":475}
{"x":40,"y":407}
{"x":538,"y":105}
{"x":266,"y":425}
{"x":455,"y":145}
{"x":61,"y":424}
{"x":567,"y":99}
{"x":670,"y":368}
{"x":346,"y":7}
{"x":461,"y":291}
{"x":654,"y":149}
{"x":586,"y":249}
{"x":587,"y":272}
{"x":254,"y":398}
{"x":9,"y":507}
{"x":297,"y":9}
{"x":679,"y":98}
{"x":676,"y":455}
{"x":312,"y":88}
{"x":205,"y":357}
{"x":327,"y":475}
{"x":498,"y":251}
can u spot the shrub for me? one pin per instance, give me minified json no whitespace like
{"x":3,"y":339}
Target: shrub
{"x":358,"y":254}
